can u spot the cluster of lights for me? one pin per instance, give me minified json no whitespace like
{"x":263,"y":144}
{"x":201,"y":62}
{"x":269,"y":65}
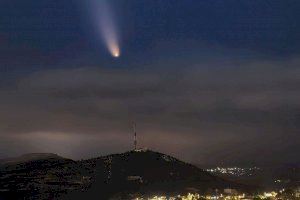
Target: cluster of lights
{"x":282,"y":190}
{"x":195,"y":197}
{"x":236,"y":171}
{"x":226,"y":197}
{"x":265,"y":195}
{"x":108,"y":164}
{"x":178,"y":197}
{"x":282,"y":181}
{"x":268,"y":195}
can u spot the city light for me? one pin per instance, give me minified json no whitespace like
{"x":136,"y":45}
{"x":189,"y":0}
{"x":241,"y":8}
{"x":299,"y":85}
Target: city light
{"x":196,"y":196}
{"x":236,"y":171}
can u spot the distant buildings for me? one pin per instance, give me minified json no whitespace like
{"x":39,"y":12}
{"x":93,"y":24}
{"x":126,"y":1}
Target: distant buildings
{"x":137,"y":179}
{"x":230,"y":191}
{"x":297,"y":192}
{"x":235,"y":171}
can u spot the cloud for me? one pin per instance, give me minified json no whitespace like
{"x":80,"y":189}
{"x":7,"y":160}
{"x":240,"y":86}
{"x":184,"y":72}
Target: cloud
{"x":207,"y":113}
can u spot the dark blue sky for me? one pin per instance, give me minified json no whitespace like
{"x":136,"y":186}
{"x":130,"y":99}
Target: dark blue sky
{"x":52,"y":33}
{"x":204,"y":79}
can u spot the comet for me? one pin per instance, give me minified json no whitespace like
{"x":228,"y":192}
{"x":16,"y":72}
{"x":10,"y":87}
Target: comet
{"x":106,"y":26}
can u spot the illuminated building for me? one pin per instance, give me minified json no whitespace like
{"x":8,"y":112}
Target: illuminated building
{"x":230,"y":191}
{"x":137,"y":179}
{"x":297,"y":192}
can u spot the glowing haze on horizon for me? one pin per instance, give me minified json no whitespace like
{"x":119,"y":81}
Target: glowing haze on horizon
{"x":106,"y":26}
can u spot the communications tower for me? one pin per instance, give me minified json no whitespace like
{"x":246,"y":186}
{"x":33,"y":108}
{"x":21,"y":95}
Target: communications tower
{"x":134,"y":138}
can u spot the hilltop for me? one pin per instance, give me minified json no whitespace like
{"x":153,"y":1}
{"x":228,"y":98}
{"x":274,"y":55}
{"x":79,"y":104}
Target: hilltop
{"x":141,"y":172}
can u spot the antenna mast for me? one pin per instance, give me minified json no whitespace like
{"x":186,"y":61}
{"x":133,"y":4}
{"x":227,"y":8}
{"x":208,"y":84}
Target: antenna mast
{"x":135,"y":138}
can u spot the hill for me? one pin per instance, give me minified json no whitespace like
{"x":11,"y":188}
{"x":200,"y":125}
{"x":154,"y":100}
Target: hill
{"x":119,"y":175}
{"x":28,"y":158}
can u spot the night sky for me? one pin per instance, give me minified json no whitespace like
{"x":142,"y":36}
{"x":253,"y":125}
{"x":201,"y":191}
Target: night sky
{"x":207,"y":81}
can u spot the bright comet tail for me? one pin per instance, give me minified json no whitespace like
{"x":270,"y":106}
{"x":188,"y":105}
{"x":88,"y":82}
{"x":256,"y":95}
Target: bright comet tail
{"x":106,"y":26}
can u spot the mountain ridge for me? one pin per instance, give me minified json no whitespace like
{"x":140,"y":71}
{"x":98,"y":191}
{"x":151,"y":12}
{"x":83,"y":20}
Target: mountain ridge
{"x":29,"y":157}
{"x":141,"y":172}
